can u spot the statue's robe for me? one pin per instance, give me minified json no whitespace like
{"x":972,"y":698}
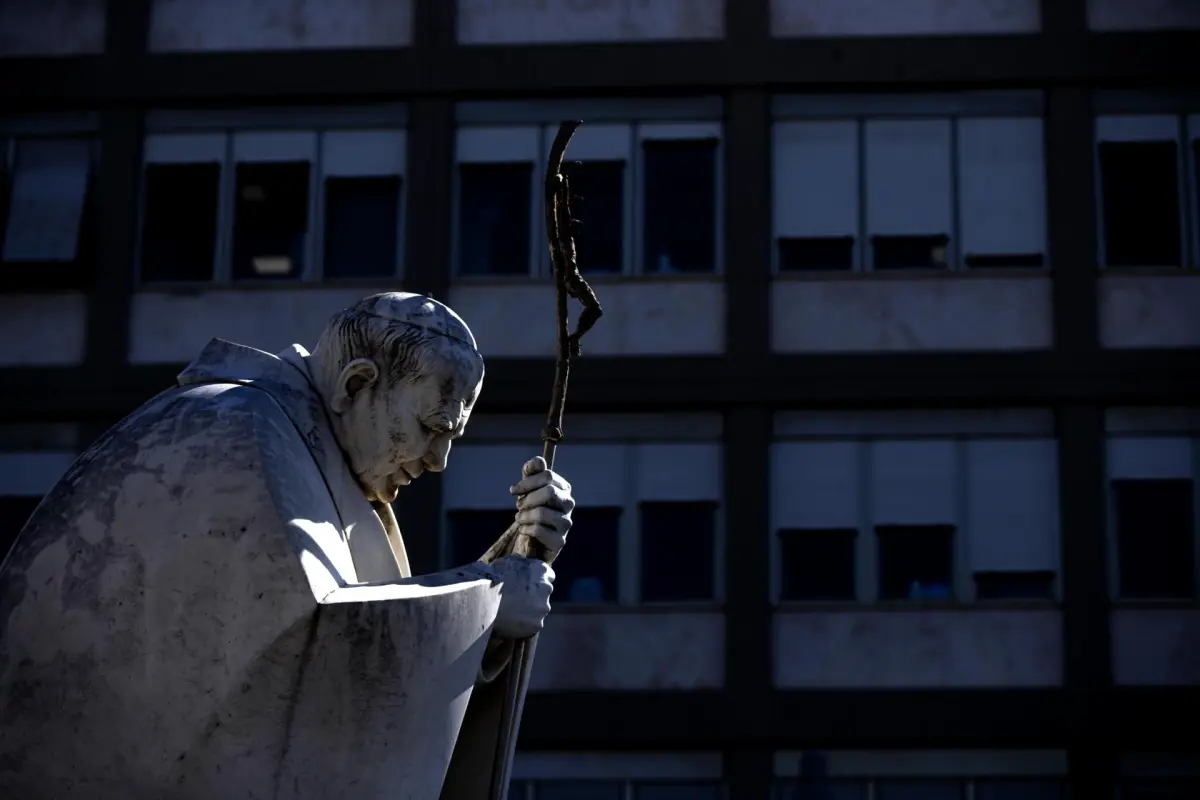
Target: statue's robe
{"x":205,"y":606}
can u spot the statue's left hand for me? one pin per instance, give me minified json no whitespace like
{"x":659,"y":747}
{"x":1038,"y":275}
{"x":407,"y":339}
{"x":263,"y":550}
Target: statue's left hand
{"x":544,"y":505}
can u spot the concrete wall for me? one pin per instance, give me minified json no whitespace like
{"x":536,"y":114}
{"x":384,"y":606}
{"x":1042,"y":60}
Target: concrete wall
{"x":1111,"y":15}
{"x":885,"y":314}
{"x":930,"y":763}
{"x":42,"y":329}
{"x":642,"y":317}
{"x":647,"y":650}
{"x":879,"y":649}
{"x":903,"y":17}
{"x":51,"y":27}
{"x":1150,"y":310}
{"x":214,"y":25}
{"x":530,"y":21}
{"x":532,"y":766}
{"x":172,"y":327}
{"x":1156,"y":647}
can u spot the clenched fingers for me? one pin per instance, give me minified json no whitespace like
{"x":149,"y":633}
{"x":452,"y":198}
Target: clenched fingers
{"x":546,"y":525}
{"x":537,"y":480}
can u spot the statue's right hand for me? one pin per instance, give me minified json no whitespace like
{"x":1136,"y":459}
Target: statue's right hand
{"x":526,"y":584}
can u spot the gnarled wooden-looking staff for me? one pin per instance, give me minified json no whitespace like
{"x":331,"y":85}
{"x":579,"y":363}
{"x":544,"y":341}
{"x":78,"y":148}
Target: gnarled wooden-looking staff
{"x":568,"y":283}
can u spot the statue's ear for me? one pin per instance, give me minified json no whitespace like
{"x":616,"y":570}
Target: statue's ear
{"x":359,"y":374}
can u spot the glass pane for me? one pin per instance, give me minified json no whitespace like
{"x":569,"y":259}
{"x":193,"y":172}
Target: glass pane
{"x":14,"y":513}
{"x":473,"y":532}
{"x":797,"y":254}
{"x":586,"y":572}
{"x":578,"y":790}
{"x":817,"y":564}
{"x":362,"y":220}
{"x":518,"y":790}
{"x":1160,"y":789}
{"x":1155,"y":520}
{"x":598,"y":208}
{"x":1140,"y":188}
{"x":680,"y":192}
{"x":916,"y":562}
{"x":910,"y":252}
{"x":1018,"y":789}
{"x":49,"y":193}
{"x":678,"y":541}
{"x":271,"y":220}
{"x":677,"y":791}
{"x":495,"y":202}
{"x":179,"y":224}
{"x":920,"y":789}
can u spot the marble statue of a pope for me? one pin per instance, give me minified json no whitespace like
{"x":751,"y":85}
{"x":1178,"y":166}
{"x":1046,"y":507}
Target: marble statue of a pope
{"x":215,"y":601}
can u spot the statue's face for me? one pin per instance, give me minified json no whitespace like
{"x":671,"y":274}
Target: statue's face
{"x":394,"y":432}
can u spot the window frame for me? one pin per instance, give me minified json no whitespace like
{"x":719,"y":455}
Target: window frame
{"x":616,"y":130}
{"x":1147,"y":430}
{"x":1184,"y":108}
{"x":231,"y":137}
{"x":861,"y":111}
{"x":76,"y":274}
{"x":858,"y":433}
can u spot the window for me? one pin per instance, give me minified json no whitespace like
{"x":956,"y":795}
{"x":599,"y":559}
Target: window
{"x":578,"y":790}
{"x":586,"y":572}
{"x":694,"y":790}
{"x":271,"y":219}
{"x":598,"y":209}
{"x":1141,"y":203}
{"x":495,"y":202}
{"x":822,"y":789}
{"x":817,"y":564}
{"x":916,"y":562}
{"x":1018,"y":789}
{"x":680,"y":206}
{"x":678,"y":550}
{"x":362,"y":216}
{"x":14,"y":513}
{"x":922,"y":193}
{"x":1013,"y":585}
{"x":1001,"y":189}
{"x":473,"y":532}
{"x":48,"y":219}
{"x":919,"y":789}
{"x":1155,"y":522}
{"x":179,"y":228}
{"x":362,"y":177}
{"x":273,"y":206}
{"x":908,"y":203}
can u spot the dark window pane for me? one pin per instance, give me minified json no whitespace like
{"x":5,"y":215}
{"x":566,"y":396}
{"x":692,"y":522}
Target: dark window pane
{"x":1032,"y":585}
{"x":920,"y":789}
{"x":817,"y":564}
{"x":270,"y":220}
{"x":1175,"y":788}
{"x":821,"y":789}
{"x":798,"y":254}
{"x":518,"y":790}
{"x":1018,"y":789}
{"x":578,"y":790}
{"x":598,"y":208}
{"x":6,"y":187}
{"x":179,"y":224}
{"x":473,"y":532}
{"x":1140,"y":186}
{"x":916,"y":562}
{"x":586,"y":572}
{"x":695,"y":790}
{"x":1005,"y":260}
{"x":48,"y":201}
{"x":680,"y":191}
{"x":1155,"y":522}
{"x":362,"y":219}
{"x":494,"y":205}
{"x":910,"y":252}
{"x":14,"y":513}
{"x":678,"y":542}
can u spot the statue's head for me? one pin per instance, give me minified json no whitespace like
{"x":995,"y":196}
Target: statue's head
{"x":400,"y":374}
